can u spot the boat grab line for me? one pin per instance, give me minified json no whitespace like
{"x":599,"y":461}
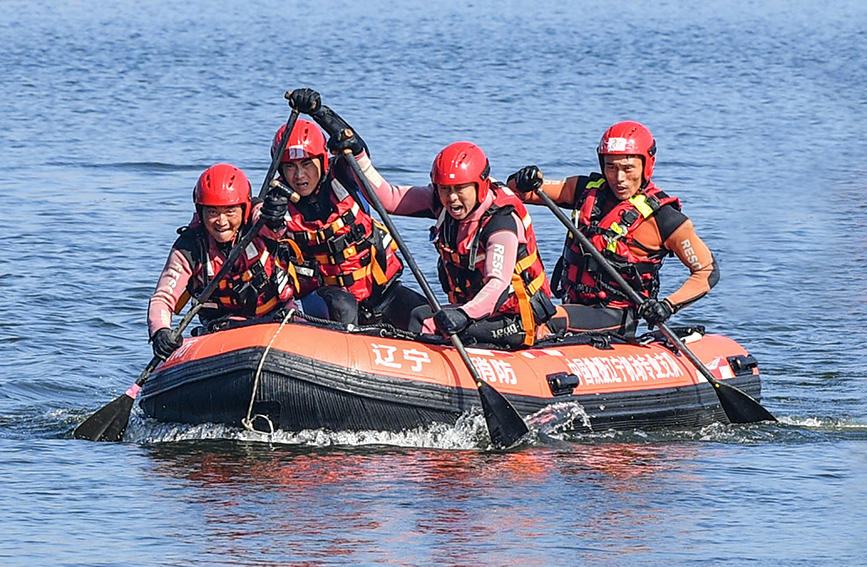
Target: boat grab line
{"x":247,"y":422}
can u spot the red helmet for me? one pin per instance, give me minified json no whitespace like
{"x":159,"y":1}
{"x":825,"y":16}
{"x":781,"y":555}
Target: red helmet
{"x":223,"y":185}
{"x":629,"y":139}
{"x":305,"y":141}
{"x":462,"y":162}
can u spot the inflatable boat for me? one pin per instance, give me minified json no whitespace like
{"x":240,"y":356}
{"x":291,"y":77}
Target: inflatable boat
{"x":301,"y":376}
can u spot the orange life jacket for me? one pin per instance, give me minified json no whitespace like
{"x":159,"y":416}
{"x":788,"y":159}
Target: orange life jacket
{"x":578,"y":279}
{"x":461,"y":264}
{"x":262,"y":279}
{"x":353,"y":251}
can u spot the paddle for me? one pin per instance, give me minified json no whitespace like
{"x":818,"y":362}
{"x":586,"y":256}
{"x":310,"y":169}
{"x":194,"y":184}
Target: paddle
{"x":505,"y":426}
{"x":109,"y":423}
{"x":738,"y":406}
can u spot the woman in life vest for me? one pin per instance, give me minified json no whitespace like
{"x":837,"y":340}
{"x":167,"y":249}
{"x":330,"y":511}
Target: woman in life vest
{"x":488,"y":262}
{"x":633,"y":224}
{"x":263,"y":278}
{"x":354,"y":255}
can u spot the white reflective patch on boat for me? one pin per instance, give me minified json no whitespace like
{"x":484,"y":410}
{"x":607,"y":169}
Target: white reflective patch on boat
{"x":480,"y":351}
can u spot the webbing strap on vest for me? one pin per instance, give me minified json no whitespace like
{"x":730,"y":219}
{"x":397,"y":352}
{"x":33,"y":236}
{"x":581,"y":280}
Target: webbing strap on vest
{"x":341,"y":255}
{"x":644,"y":206}
{"x":346,"y":280}
{"x":523,"y":294}
{"x":524,"y":309}
{"x":182,"y":301}
{"x":265,"y":307}
{"x":380,"y":251}
{"x":290,"y":267}
{"x":323,"y":234}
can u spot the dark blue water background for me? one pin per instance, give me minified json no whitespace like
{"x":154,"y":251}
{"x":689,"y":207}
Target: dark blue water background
{"x":108,"y":113}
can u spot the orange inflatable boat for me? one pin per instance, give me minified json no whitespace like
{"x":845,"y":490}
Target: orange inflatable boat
{"x":303,"y":376}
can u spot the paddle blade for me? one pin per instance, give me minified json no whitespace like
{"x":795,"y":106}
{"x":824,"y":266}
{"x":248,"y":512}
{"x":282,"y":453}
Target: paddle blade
{"x":739,"y":406}
{"x":504,"y":424}
{"x":109,"y":423}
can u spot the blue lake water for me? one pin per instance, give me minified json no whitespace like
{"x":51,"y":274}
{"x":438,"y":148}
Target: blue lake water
{"x":108,"y":113}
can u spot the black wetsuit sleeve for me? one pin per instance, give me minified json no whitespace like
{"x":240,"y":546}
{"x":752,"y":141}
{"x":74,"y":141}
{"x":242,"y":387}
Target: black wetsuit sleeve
{"x":503,"y":220}
{"x":669,"y":219}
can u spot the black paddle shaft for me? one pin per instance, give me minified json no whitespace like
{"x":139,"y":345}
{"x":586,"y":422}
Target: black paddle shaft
{"x":739,"y":406}
{"x":505,"y":425}
{"x":206,"y":293}
{"x":199,"y":300}
{"x":110,"y":422}
{"x":278,"y":153}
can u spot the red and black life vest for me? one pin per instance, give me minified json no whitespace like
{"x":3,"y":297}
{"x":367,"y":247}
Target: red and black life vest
{"x":461,"y":264}
{"x":353,"y":251}
{"x":578,"y":279}
{"x":262,"y":279}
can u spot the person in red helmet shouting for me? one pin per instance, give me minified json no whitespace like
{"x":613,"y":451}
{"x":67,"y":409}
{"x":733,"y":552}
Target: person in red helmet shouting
{"x":331,"y":224}
{"x":488,"y":262}
{"x":263,"y":279}
{"x":633,"y":224}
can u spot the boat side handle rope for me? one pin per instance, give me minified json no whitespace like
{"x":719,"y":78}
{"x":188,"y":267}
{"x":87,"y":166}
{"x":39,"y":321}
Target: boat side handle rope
{"x":247,"y":422}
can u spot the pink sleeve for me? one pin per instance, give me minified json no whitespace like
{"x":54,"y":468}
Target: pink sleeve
{"x":171,"y":285}
{"x":397,"y":199}
{"x":500,"y":257}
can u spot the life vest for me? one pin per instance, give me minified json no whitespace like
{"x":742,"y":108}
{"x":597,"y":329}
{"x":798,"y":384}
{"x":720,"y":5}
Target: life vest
{"x":461,"y":264}
{"x":263,"y":278}
{"x":578,"y":279}
{"x":352,"y":250}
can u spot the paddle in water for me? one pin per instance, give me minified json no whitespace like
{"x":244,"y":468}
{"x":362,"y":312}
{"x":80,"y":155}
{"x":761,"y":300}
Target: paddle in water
{"x":110,"y":422}
{"x":739,"y":406}
{"x":505,"y":425}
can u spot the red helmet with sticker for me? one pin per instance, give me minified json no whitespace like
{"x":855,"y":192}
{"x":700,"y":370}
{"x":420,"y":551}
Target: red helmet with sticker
{"x":629,"y":139}
{"x":223,"y":185}
{"x":460,"y":163}
{"x":305,"y":141}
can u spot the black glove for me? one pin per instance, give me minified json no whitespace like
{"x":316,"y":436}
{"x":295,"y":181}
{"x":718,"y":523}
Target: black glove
{"x":307,"y":101}
{"x":527,"y":179}
{"x":655,"y":312}
{"x":164,"y":343}
{"x":274,"y":209}
{"x":337,"y":144}
{"x":451,"y":321}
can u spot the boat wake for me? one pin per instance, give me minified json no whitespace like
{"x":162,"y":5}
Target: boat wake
{"x":553,"y":425}
{"x":470,"y":432}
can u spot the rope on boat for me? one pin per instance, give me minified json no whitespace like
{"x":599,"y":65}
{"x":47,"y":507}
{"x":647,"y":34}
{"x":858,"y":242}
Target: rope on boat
{"x":383,"y":330}
{"x":247,"y":422}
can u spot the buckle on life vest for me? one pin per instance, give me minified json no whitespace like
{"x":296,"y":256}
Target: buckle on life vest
{"x":611,"y":240}
{"x":346,"y":219}
{"x":346,"y":280}
{"x":355,"y":235}
{"x":645,"y":205}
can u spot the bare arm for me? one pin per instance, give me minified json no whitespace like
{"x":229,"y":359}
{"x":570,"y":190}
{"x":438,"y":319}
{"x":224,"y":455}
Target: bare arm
{"x":561,"y":191}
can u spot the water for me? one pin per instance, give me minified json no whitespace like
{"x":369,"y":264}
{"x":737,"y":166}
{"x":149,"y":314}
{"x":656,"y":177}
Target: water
{"x":110,"y":111}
